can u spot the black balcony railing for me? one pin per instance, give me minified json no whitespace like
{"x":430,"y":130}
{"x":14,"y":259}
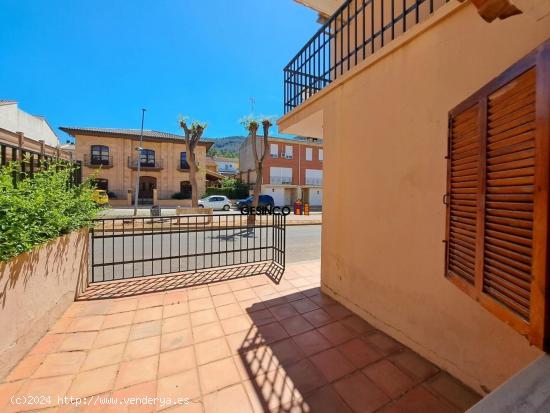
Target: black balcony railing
{"x":145,"y":164}
{"x":92,"y":161}
{"x":355,"y":31}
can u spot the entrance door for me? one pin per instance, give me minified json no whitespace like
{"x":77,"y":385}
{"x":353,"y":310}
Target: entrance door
{"x":146,"y":186}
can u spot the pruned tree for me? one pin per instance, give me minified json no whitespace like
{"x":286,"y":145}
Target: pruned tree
{"x":193,"y":134}
{"x":259,"y":151}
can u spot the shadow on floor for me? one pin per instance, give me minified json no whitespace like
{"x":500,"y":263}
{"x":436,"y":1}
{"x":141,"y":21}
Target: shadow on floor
{"x":150,"y":284}
{"x":307,"y":353}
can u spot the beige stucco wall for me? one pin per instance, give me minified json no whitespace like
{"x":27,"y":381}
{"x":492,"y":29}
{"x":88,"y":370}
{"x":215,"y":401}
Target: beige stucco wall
{"x":122,"y":178}
{"x":35,"y":290}
{"x":385,"y":131}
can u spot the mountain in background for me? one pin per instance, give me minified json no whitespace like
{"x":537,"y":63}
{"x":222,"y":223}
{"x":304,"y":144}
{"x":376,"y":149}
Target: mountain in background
{"x":227,"y":146}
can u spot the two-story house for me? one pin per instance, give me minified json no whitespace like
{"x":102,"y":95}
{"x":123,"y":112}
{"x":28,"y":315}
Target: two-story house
{"x":110,"y":155}
{"x":293,"y":169}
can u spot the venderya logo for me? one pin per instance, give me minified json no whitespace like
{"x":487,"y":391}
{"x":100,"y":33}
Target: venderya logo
{"x":265,"y":210}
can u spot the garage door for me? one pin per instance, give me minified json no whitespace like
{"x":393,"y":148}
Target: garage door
{"x":315,"y":197}
{"x":278,"y":195}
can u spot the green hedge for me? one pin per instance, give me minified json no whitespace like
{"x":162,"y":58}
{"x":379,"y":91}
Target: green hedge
{"x":41,"y":208}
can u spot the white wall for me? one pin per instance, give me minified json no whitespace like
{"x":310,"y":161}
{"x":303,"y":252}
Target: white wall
{"x":14,"y":120}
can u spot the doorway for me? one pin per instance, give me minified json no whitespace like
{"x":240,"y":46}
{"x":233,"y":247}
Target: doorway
{"x":146,"y":186}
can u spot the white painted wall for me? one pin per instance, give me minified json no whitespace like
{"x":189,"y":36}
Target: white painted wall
{"x":14,"y":120}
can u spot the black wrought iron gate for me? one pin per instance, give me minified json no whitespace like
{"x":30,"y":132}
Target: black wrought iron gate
{"x":125,"y":248}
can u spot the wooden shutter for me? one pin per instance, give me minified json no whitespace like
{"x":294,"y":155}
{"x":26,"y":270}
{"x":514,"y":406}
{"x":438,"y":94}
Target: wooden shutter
{"x":464,"y":158}
{"x":497,"y":199}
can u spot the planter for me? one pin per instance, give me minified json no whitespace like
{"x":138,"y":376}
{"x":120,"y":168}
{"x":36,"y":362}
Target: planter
{"x":36,"y":288}
{"x":208,"y":212}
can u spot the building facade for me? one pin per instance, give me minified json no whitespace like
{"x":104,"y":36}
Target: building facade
{"x":227,"y":166}
{"x":389,"y":103}
{"x":26,"y":132}
{"x":110,"y":156}
{"x":293,"y":169}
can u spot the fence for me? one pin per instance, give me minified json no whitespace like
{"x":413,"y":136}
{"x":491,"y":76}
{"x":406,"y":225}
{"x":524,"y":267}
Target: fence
{"x":124,"y":248}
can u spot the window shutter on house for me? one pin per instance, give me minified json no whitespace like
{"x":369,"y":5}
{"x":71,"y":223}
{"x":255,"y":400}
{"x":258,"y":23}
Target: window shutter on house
{"x":497,"y":199}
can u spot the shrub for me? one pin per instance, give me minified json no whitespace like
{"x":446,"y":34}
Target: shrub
{"x":231,"y":188}
{"x":41,"y":208}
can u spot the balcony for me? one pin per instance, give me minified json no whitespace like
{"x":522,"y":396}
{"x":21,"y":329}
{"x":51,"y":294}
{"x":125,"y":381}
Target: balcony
{"x":358,"y":29}
{"x":280,"y":180}
{"x":314,"y":181}
{"x":98,"y":161}
{"x":183,"y":166}
{"x":150,"y":165}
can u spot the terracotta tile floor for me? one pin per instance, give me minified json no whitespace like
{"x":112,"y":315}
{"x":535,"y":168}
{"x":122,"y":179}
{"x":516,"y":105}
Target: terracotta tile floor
{"x":244,"y":345}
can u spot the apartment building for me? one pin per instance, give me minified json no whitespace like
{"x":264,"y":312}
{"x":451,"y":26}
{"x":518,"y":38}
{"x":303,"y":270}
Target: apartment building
{"x":110,"y":156}
{"x":444,"y":116}
{"x":293,"y":169}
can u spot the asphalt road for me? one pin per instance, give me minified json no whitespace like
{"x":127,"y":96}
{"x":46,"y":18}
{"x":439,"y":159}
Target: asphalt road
{"x":147,"y":254}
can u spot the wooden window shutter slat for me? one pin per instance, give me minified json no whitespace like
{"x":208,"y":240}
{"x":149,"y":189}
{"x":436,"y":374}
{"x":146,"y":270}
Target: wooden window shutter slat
{"x":498,"y":197}
{"x":463,"y":191}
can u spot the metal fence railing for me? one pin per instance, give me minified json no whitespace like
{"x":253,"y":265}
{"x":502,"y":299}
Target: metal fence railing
{"x":355,"y":31}
{"x":125,"y":248}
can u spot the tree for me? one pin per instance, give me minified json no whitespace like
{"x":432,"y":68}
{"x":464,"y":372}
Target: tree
{"x":252,"y":126}
{"x":193,"y":134}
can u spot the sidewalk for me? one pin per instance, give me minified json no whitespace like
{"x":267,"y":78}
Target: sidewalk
{"x":314,"y":218}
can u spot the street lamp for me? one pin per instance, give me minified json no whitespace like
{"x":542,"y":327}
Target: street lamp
{"x":139,"y":149}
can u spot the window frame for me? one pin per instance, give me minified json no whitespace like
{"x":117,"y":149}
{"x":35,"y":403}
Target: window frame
{"x":102,"y":156}
{"x":150,"y":158}
{"x":536,"y":329}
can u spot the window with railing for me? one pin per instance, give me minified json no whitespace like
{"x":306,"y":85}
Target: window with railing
{"x":147,"y":158}
{"x":99,"y":155}
{"x":183,"y":161}
{"x":355,"y":31}
{"x":280,"y":176}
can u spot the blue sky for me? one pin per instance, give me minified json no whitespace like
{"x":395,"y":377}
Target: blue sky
{"x":96,"y":63}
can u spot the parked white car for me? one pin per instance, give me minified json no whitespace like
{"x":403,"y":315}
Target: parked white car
{"x":215,"y":202}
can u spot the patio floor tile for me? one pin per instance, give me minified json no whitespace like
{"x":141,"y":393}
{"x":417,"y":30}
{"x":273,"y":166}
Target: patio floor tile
{"x":361,"y":394}
{"x":103,"y":356}
{"x":311,"y":342}
{"x":212,"y":350}
{"x":218,"y":374}
{"x":229,"y":400}
{"x":137,"y":371}
{"x":57,"y":364}
{"x":244,"y":345}
{"x":332,"y":364}
{"x":389,"y":378}
{"x":359,"y":352}
{"x":176,"y":361}
{"x":97,"y":381}
{"x":181,"y":385}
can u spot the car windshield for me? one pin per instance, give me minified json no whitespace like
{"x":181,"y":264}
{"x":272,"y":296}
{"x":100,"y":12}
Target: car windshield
{"x":250,"y":198}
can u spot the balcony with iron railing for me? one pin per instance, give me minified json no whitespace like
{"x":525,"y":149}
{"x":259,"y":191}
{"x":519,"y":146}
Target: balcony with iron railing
{"x":103,"y":161}
{"x":314,"y":181}
{"x":357,"y":30}
{"x":155,"y":164}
